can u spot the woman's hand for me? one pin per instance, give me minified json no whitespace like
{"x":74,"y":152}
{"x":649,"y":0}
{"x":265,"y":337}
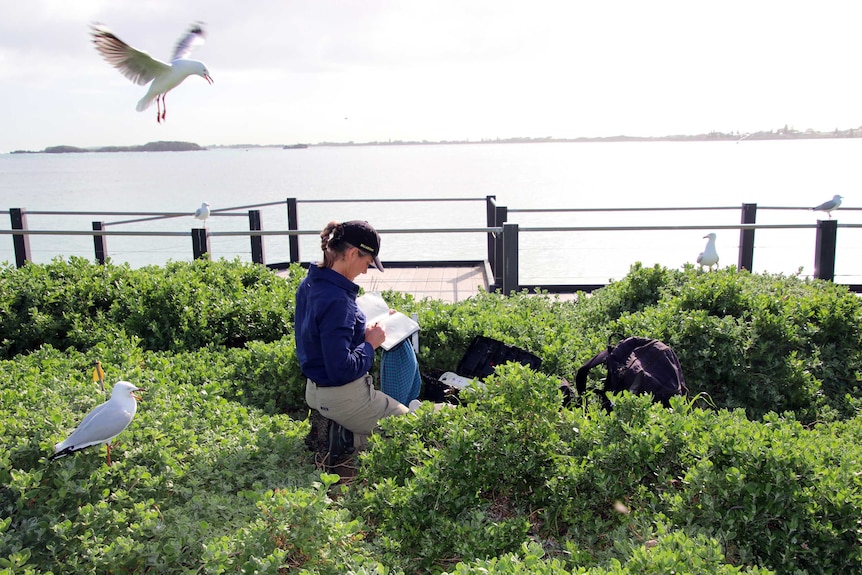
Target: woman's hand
{"x":375,"y":335}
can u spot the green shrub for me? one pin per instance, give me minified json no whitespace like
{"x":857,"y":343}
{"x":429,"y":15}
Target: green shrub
{"x":773,"y":494}
{"x":761,"y":343}
{"x":179,"y":307}
{"x":185,"y":471}
{"x":213,"y":475}
{"x":758,"y":342}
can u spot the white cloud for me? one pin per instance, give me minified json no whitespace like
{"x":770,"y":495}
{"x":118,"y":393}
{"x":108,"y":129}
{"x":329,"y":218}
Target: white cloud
{"x":409,"y":69}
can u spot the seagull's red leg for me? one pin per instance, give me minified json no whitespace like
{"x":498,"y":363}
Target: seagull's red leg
{"x":158,"y":111}
{"x":108,"y":445}
{"x":164,"y":106}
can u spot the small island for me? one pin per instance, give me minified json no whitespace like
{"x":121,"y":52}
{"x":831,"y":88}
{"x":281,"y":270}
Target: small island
{"x":161,"y":146}
{"x":785,"y":133}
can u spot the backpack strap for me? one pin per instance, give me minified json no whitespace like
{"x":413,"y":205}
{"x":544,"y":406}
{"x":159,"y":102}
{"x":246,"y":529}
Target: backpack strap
{"x":581,"y":377}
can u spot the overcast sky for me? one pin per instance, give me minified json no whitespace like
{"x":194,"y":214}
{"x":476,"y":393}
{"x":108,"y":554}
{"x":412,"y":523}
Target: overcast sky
{"x":290,"y":71}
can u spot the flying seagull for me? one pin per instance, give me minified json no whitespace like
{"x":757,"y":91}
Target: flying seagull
{"x":203,"y":212}
{"x":829,"y":205}
{"x":104,"y":423}
{"x":141,"y":68}
{"x":708,"y":257}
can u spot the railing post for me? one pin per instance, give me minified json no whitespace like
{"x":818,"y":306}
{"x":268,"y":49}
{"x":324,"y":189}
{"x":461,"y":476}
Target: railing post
{"x":414,"y":339}
{"x":501,"y":213}
{"x":746,"y":238}
{"x":255,"y":225}
{"x":490,"y":219}
{"x":21,"y":242}
{"x":510,"y":259}
{"x":100,"y":243}
{"x":293,"y":224}
{"x":200,"y":243}
{"x":824,"y":249}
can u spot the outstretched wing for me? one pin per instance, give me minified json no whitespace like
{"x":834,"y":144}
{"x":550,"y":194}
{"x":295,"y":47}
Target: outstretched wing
{"x":136,"y":65}
{"x":193,"y":38}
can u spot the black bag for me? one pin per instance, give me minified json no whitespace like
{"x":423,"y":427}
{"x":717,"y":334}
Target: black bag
{"x":479,"y":361}
{"x":639,"y":365}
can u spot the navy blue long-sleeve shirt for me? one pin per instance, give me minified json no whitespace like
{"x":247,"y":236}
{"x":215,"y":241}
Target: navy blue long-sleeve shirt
{"x":330,"y":329}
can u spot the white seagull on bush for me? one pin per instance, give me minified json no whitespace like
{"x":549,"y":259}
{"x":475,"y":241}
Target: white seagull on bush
{"x":141,"y":68}
{"x":708,"y":257}
{"x":203,"y":212}
{"x":828,"y":206}
{"x":104,"y":423}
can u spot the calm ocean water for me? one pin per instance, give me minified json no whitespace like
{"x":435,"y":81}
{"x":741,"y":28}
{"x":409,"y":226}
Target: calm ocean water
{"x":521,"y":176}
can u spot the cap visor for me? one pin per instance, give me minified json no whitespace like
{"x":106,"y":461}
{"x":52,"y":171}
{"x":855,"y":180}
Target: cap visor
{"x":378,"y":265}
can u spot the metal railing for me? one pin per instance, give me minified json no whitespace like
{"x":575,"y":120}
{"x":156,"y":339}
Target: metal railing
{"x":503,"y":237}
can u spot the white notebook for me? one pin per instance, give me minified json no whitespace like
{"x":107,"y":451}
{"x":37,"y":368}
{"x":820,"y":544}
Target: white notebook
{"x":397,"y":325}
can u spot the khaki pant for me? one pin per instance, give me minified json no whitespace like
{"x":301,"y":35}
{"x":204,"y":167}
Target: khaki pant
{"x":355,"y":405}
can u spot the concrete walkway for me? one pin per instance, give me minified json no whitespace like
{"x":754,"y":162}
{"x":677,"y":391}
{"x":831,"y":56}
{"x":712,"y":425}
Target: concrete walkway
{"x":448,"y":284}
{"x":445,"y":284}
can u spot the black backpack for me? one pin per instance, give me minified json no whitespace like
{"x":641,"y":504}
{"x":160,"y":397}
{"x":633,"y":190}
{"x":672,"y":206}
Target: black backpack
{"x":639,"y":365}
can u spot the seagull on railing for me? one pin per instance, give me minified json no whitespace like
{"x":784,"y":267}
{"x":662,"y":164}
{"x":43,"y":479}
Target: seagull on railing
{"x":828,"y":206}
{"x":141,"y":68}
{"x":709,"y":256}
{"x":203,"y":212}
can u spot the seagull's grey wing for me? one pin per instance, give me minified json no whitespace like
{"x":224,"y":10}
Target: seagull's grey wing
{"x":137,"y":66}
{"x":700,"y":257}
{"x":193,"y":38}
{"x":95,"y":412}
{"x":825,"y":206}
{"x":102,"y":424}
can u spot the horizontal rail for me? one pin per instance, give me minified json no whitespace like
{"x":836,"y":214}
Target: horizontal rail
{"x":489,"y":230}
{"x":686,"y":227}
{"x":388,"y":200}
{"x":98,"y":213}
{"x":664,"y":209}
{"x":377,"y":200}
{"x":380,"y":231}
{"x":672,"y":209}
{"x":235,"y":233}
{"x":841,"y":209}
{"x":139,"y":220}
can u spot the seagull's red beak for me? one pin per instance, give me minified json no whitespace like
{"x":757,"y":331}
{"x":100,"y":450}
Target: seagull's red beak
{"x":208,"y":79}
{"x":136,"y":396}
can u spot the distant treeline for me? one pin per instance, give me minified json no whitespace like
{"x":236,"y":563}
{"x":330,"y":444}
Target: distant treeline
{"x":149,"y":147}
{"x":782,"y":134}
{"x":785,"y":133}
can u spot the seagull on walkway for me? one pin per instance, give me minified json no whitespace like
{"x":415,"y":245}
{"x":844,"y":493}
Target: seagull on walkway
{"x":708,"y":257}
{"x":104,"y":423}
{"x":203,"y":212}
{"x":141,"y":68}
{"x":828,"y":206}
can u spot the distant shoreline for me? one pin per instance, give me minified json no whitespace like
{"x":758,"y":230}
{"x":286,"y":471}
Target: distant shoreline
{"x":149,"y":147}
{"x":782,"y":134}
{"x":711,"y":137}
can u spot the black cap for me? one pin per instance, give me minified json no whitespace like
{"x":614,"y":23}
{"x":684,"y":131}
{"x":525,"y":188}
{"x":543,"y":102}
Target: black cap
{"x":360,"y":234}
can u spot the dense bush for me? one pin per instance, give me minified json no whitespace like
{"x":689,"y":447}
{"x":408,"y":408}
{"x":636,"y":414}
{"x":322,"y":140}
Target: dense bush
{"x":757,"y":342}
{"x":512,"y":466}
{"x":213,"y":476}
{"x":178,"y":307}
